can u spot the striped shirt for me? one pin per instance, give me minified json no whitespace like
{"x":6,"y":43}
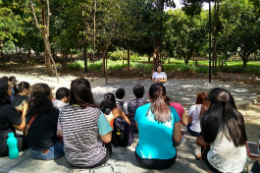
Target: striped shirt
{"x":81,"y":129}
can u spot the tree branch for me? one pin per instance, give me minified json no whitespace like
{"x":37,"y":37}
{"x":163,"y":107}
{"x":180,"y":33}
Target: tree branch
{"x":35,"y":17}
{"x":48,"y":19}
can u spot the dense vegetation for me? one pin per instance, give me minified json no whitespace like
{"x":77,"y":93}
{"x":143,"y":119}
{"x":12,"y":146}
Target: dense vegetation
{"x":132,"y":31}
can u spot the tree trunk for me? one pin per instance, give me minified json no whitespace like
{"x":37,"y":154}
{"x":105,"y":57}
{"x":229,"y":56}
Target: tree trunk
{"x":149,"y":58}
{"x":29,"y":54}
{"x":1,"y":51}
{"x":64,"y":62}
{"x":157,"y":50}
{"x":104,"y":60}
{"x":128,"y":62}
{"x":106,"y":65}
{"x":155,"y":59}
{"x":214,"y":64}
{"x":71,"y":57}
{"x":186,"y":60}
{"x":85,"y":59}
{"x":244,"y":62}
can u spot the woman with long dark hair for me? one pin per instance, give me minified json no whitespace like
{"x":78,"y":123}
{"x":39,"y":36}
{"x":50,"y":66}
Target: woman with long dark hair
{"x":195,"y":113}
{"x":159,"y":128}
{"x":223,"y":129}
{"x":10,"y":119}
{"x":109,"y":108}
{"x":43,"y":118}
{"x":86,"y":132}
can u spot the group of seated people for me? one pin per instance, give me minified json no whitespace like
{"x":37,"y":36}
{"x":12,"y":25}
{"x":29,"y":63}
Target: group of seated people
{"x":76,"y":126}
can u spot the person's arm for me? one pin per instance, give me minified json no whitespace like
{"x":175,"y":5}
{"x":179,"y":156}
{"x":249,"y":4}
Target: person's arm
{"x":107,"y":137}
{"x":200,"y":142}
{"x":104,"y":129}
{"x":189,"y":119}
{"x":164,"y":78}
{"x":153,"y":78}
{"x":136,"y":125}
{"x":23,"y":123}
{"x":184,"y":120}
{"x":118,"y":112}
{"x":177,"y":132}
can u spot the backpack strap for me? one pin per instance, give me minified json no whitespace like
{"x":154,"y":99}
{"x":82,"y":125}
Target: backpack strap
{"x":31,"y":120}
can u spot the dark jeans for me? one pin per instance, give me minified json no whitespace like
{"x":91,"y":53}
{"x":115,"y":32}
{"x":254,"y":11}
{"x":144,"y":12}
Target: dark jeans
{"x":192,"y":133}
{"x":255,"y":168}
{"x":155,"y":163}
{"x":21,"y":144}
{"x":109,"y":152}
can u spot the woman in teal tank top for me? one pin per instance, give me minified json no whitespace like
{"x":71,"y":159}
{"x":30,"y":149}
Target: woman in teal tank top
{"x":159,"y":128}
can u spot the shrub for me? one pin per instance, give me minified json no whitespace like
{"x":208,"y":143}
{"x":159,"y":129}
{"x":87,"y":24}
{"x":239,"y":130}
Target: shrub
{"x":135,"y":57}
{"x":117,"y":55}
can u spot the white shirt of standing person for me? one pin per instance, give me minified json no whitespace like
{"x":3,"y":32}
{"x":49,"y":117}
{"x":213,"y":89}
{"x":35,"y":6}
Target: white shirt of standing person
{"x":159,"y":76}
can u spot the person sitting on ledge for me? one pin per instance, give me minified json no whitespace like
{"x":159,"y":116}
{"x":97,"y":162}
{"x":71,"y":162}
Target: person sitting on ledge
{"x":195,"y":113}
{"x":159,"y":128}
{"x":22,"y":96}
{"x":109,"y":108}
{"x":138,"y":91}
{"x":10,"y":120}
{"x":86,"y":132}
{"x":43,"y":118}
{"x":223,"y":138}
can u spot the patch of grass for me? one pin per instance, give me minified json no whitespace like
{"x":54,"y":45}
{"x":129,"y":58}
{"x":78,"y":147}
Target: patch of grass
{"x":174,"y":64}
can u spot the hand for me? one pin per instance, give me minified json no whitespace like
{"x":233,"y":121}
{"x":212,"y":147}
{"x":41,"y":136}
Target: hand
{"x":25,"y":107}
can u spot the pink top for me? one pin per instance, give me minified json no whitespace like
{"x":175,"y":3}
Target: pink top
{"x":178,"y":107}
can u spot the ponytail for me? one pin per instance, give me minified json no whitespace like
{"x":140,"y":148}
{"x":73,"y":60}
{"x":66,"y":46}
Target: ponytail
{"x":159,"y":106}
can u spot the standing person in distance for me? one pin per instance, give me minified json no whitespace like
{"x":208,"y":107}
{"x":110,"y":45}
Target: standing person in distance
{"x":159,"y":76}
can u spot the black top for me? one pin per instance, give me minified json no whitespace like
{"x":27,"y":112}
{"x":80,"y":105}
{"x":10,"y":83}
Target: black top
{"x":18,"y":99}
{"x":8,"y":117}
{"x":42,"y":132}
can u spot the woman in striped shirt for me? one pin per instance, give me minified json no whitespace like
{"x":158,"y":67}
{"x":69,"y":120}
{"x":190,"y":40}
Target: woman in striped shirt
{"x":85,"y":128}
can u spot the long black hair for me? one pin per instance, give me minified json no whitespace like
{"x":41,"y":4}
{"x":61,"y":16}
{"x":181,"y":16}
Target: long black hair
{"x":80,"y":93}
{"x":223,"y":113}
{"x":108,"y":103}
{"x":39,"y":101}
{"x":4,"y":97}
{"x":159,"y":106}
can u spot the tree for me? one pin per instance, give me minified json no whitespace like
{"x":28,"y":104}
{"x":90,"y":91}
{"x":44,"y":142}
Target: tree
{"x":44,"y":30}
{"x":9,"y":23}
{"x":242,"y":30}
{"x":185,"y":35}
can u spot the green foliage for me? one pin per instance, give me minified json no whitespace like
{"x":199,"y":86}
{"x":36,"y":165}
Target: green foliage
{"x":117,"y":55}
{"x":135,"y":57}
{"x":185,"y":35}
{"x":9,"y":46}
